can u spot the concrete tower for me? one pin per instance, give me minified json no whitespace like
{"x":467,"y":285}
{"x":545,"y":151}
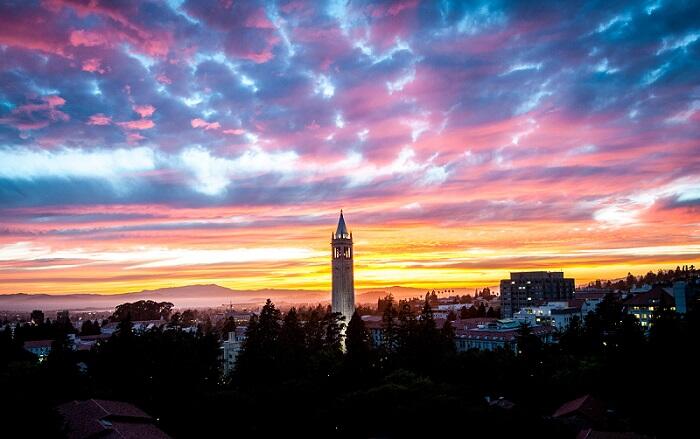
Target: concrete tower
{"x":343,"y":296}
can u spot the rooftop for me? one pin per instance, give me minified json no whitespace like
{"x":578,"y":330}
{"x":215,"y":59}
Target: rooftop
{"x":656,"y":296}
{"x":104,"y":418}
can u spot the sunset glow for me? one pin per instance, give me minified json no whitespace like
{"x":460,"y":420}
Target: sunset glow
{"x":153,"y":145}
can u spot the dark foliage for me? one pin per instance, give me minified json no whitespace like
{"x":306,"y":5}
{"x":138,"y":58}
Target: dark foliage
{"x":142,"y":310}
{"x":295,"y":376}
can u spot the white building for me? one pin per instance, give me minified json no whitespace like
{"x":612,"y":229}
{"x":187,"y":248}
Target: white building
{"x":497,"y":334}
{"x":40,"y":348}
{"x":232,"y":347}
{"x":557,"y":314}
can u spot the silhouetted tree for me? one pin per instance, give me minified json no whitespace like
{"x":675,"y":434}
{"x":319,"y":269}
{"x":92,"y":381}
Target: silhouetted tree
{"x":142,"y":310}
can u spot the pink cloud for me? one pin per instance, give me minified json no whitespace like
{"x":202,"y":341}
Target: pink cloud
{"x":93,"y":65}
{"x":37,"y":115}
{"x":35,"y":31}
{"x":392,"y":8}
{"x":134,"y":137}
{"x":122,"y":29}
{"x":54,"y":101}
{"x":87,"y":38}
{"x":259,"y":20}
{"x":141,"y":124}
{"x":99,"y":119}
{"x":144,"y":110}
{"x":236,"y":132}
{"x":163,"y":79}
{"x":201,"y":123}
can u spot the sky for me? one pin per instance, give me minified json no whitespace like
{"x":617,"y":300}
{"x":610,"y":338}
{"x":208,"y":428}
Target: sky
{"x":150,"y":144}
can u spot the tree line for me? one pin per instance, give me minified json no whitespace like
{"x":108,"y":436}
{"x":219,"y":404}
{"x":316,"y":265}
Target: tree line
{"x":297,"y":375}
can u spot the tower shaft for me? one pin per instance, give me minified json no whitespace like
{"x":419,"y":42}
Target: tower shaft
{"x":343,"y":290}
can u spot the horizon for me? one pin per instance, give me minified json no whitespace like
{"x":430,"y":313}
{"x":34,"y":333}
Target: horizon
{"x":157,"y":145}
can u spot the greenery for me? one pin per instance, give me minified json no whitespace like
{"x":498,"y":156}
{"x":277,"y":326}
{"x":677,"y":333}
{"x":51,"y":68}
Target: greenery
{"x":297,"y":375}
{"x":142,"y":310}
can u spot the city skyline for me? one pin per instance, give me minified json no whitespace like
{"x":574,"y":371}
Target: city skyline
{"x":153,"y":145}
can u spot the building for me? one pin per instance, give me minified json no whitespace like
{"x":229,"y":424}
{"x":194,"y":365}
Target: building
{"x":534,"y":288}
{"x":343,"y":291}
{"x":40,"y":348}
{"x":109,"y":419}
{"x":63,"y":317}
{"x":557,"y":314}
{"x":581,"y":413}
{"x":645,"y":305}
{"x":498,"y":334}
{"x":232,"y":347}
{"x":685,"y":293}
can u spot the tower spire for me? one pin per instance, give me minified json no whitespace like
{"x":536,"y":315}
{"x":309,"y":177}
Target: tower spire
{"x":342,"y":230}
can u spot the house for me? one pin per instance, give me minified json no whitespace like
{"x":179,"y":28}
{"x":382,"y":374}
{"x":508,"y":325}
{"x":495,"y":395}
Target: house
{"x":645,"y":305}
{"x":589,"y":433}
{"x":108,"y":419}
{"x":497,"y":334}
{"x":581,"y":413}
{"x":232,"y":347}
{"x":40,"y":348}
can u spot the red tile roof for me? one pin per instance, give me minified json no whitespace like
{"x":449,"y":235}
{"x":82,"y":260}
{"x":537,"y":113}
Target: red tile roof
{"x":107,"y":419}
{"x":38,"y":344}
{"x":589,"y":433}
{"x":586,"y":406}
{"x":656,"y":296}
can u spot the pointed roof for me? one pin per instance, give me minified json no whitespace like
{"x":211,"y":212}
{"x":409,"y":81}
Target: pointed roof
{"x":342,"y":228}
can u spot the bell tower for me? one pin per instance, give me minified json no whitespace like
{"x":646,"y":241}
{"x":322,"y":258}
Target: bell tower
{"x":343,"y":294}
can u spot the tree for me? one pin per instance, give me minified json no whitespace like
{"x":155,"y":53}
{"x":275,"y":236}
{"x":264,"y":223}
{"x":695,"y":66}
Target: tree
{"x":90,"y":328}
{"x":334,"y":325}
{"x":451,"y":316}
{"x":293,"y":352}
{"x":142,"y":310}
{"x":389,"y":330}
{"x":258,"y":358}
{"x":529,"y":345}
{"x":358,"y":346}
{"x":228,"y":325}
{"x":188,"y":317}
{"x":37,"y":317}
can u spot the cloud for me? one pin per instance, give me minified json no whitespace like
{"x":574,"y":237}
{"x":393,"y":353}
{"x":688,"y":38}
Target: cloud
{"x":152,"y":256}
{"x":38,"y":114}
{"x":93,"y":65}
{"x":212,"y":175}
{"x":201,"y":123}
{"x":144,"y":110}
{"x":139,"y":124}
{"x":99,"y":119}
{"x":27,"y":164}
{"x":87,"y":38}
{"x":576,"y":126}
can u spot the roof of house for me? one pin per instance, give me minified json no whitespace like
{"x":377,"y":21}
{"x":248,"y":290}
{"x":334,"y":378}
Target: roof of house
{"x":510,"y":334}
{"x":586,"y":406}
{"x":655,"y":296}
{"x":589,"y":433}
{"x":94,"y":337}
{"x":37,"y":344}
{"x":107,"y":419}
